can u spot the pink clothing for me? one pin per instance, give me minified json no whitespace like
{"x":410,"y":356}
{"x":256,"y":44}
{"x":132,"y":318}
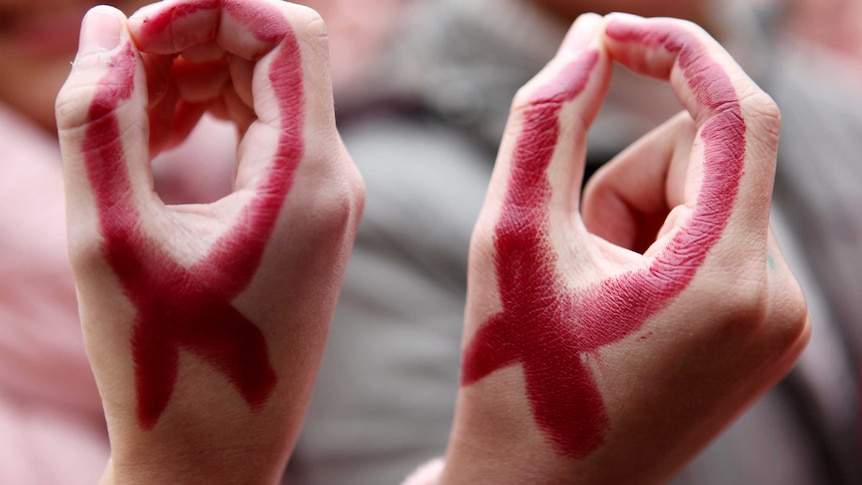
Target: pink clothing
{"x":51,"y":424}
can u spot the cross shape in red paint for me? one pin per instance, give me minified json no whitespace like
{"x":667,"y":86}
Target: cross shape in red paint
{"x":545,"y":326}
{"x":181,"y":307}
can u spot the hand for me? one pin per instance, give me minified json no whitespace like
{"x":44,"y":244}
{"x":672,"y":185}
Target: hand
{"x":204,"y":324}
{"x":608,"y":344}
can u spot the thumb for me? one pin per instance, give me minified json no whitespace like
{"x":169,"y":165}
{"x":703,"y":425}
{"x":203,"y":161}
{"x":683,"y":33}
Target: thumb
{"x":103,"y":129}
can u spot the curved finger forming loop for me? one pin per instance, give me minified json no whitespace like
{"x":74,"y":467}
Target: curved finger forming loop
{"x":661,"y":46}
{"x":546,"y":326}
{"x":190,"y":308}
{"x":175,"y":305}
{"x":248,"y":30}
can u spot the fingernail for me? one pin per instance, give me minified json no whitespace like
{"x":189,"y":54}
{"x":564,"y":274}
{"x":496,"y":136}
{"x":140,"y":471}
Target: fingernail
{"x":581,"y":33}
{"x":101,"y":30}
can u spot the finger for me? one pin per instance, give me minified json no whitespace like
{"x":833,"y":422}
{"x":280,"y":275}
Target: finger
{"x":103,"y":128}
{"x":173,"y":26}
{"x":236,"y":109}
{"x":291,"y":96}
{"x":158,"y":69}
{"x":161,"y":99}
{"x":198,"y":87}
{"x":185,"y":118}
{"x":241,"y":75}
{"x":208,"y":52}
{"x":627,"y":200}
{"x":211,"y":83}
{"x":208,"y":28}
{"x":162,"y":118}
{"x":733,"y":157}
{"x":290,"y":84}
{"x":541,"y":159}
{"x":197,"y":82}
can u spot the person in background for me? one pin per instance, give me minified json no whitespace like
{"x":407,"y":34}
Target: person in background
{"x":50,"y":414}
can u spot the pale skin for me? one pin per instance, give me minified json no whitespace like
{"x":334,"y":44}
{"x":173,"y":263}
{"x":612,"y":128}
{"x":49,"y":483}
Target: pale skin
{"x":208,"y":432}
{"x":751,"y":320}
{"x":672,"y":384}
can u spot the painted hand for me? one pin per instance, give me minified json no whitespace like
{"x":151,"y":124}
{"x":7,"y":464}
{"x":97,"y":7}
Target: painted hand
{"x":204,"y":324}
{"x":609,"y":338}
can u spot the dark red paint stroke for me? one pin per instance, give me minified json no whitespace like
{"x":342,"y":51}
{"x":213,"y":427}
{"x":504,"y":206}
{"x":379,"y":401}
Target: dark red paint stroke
{"x":547,"y":329}
{"x":266,"y":24}
{"x":190,"y":307}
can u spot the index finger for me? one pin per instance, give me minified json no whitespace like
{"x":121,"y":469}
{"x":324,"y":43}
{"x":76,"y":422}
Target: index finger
{"x":294,"y":134}
{"x":732,"y":165}
{"x":248,"y":29}
{"x":252,"y":30}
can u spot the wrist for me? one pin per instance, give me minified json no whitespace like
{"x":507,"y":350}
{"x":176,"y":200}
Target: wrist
{"x":492,"y":443}
{"x":216,"y":467}
{"x":180,"y":456}
{"x":205,"y":438}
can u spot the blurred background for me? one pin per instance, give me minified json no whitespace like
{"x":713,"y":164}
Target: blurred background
{"x":422,"y":109}
{"x":422,"y":94}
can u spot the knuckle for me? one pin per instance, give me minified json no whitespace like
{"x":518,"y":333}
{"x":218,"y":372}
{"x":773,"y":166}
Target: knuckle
{"x":698,"y":33}
{"x":85,"y":253}
{"x":522,"y":101}
{"x":482,"y":238}
{"x":771,"y":315}
{"x":309,"y":25}
{"x":790,"y":326}
{"x":527,"y":100}
{"x":77,"y":105}
{"x":315,"y":28}
{"x":763,"y":115}
{"x":746,"y":299}
{"x":694,"y":28}
{"x":741,"y":303}
{"x":354,"y":193}
{"x":339,"y":208}
{"x":72,"y":105}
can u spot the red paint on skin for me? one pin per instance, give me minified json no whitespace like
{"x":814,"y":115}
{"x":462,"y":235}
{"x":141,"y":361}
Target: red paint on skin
{"x":266,"y":24}
{"x":190,"y":308}
{"x":549,"y":328}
